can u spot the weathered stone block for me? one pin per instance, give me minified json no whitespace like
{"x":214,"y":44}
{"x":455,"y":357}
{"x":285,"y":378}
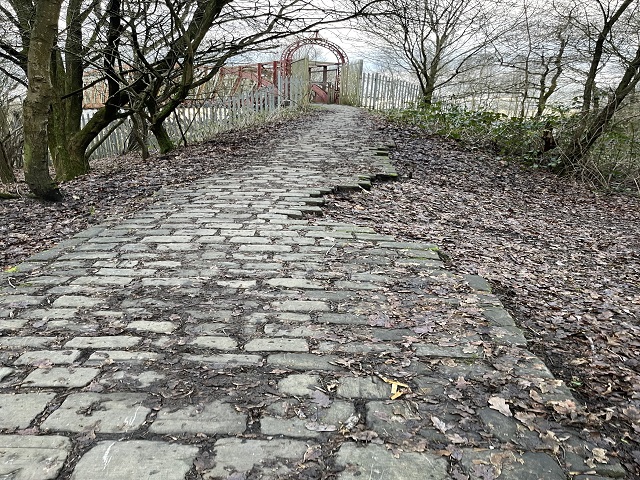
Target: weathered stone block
{"x":60,"y":377}
{"x":375,"y":461}
{"x":135,"y":459}
{"x":32,"y":458}
{"x":19,"y":410}
{"x":106,"y":413}
{"x":274,"y":458}
{"x":215,"y":418}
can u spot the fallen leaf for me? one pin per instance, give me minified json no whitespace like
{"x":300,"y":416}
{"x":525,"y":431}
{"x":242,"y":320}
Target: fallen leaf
{"x":500,"y":404}
{"x":550,"y":441}
{"x":439,"y":424}
{"x":380,"y":319}
{"x":363,"y":436}
{"x":461,"y":383}
{"x":565,"y":407}
{"x":395,"y":392}
{"x":350,"y":423}
{"x":527,"y":419}
{"x":484,"y":472}
{"x":500,"y":459}
{"x":535,"y":396}
{"x":313,"y":453}
{"x":456,"y":439}
{"x":600,"y":455}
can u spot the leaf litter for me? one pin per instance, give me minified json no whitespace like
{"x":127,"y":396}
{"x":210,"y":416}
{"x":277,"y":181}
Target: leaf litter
{"x":563,"y":259}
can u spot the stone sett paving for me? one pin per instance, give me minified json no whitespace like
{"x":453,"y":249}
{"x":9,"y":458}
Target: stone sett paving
{"x":223,"y":333}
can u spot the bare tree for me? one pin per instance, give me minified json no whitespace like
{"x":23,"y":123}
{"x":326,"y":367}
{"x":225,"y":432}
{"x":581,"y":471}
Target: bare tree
{"x":9,"y":96}
{"x":199,"y":47}
{"x":610,"y":29}
{"x":534,"y":55}
{"x":89,"y":34}
{"x":436,"y":40}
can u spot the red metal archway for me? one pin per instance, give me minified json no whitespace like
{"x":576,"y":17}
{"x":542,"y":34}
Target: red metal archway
{"x":287,"y":55}
{"x":320,"y":90}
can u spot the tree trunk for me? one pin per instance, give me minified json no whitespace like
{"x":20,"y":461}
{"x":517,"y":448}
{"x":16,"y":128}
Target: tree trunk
{"x":427,"y":86}
{"x":66,"y":114}
{"x":6,"y":171}
{"x":427,"y":97}
{"x":37,"y":104}
{"x":68,"y":142}
{"x":546,"y":92}
{"x":591,"y":127}
{"x":593,"y":124}
{"x":165,"y":143}
{"x":67,"y":154}
{"x":598,"y":51}
{"x":140,"y":133}
{"x":6,"y":163}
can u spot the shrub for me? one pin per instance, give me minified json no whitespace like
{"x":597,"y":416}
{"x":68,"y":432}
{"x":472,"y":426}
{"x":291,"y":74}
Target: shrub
{"x":508,"y":136}
{"x":613,"y":163}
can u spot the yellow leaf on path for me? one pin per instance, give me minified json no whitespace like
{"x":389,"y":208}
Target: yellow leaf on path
{"x":395,"y":393}
{"x":395,"y":383}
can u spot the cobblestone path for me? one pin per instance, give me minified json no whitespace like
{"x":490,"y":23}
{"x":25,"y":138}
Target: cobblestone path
{"x":221,"y":333}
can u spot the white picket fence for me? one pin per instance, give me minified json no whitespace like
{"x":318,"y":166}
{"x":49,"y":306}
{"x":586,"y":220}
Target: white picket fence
{"x":195,"y":124}
{"x":374,"y":90}
{"x":383,"y":93}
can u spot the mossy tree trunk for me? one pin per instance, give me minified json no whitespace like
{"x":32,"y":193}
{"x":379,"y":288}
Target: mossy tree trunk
{"x":163,"y":98}
{"x":68,"y":141}
{"x":594,"y":123}
{"x":594,"y":120}
{"x":6,"y":170}
{"x":165,"y":144}
{"x":67,"y":76}
{"x":37,"y":104}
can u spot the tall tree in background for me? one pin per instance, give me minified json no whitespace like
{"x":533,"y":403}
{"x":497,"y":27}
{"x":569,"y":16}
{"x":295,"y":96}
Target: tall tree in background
{"x":536,"y":51}
{"x":435,"y":40}
{"x":530,"y":60}
{"x":611,"y":29}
